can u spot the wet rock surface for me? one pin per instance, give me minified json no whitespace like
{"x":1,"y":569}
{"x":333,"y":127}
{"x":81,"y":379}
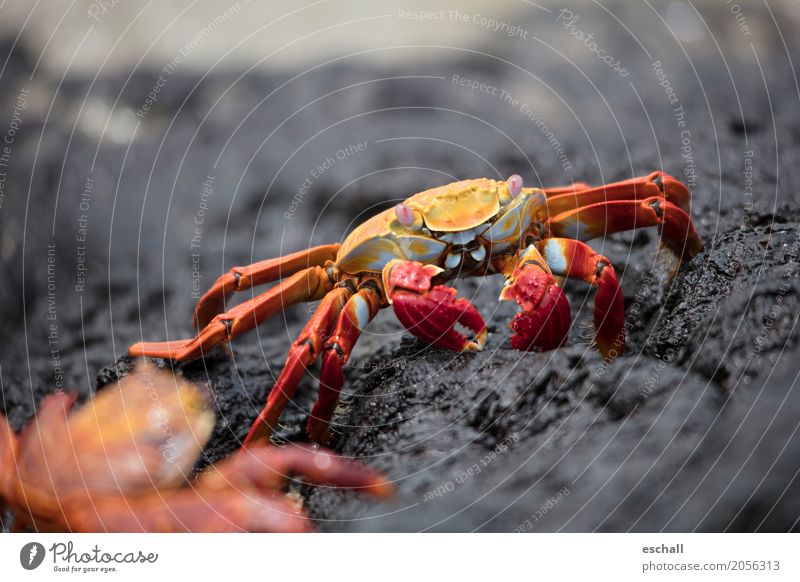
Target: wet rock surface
{"x":111,"y":222}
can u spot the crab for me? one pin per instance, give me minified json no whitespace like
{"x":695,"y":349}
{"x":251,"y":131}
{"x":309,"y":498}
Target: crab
{"x":123,"y":463}
{"x":404,"y":256}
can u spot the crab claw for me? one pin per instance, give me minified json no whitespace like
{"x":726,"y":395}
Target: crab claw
{"x":544,"y":320}
{"x":432,"y":313}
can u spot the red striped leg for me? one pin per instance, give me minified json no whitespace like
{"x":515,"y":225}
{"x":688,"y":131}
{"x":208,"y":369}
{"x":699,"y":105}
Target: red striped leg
{"x":544,"y":318}
{"x":243,"y":278}
{"x":307,"y":285}
{"x":303,"y":352}
{"x":355,"y":316}
{"x":654,"y":184}
{"x":588,"y":222}
{"x":431,"y":313}
{"x":571,"y":258}
{"x":571,"y":189}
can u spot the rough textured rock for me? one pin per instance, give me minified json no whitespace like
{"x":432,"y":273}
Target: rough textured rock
{"x":694,"y":428}
{"x":564,"y":441}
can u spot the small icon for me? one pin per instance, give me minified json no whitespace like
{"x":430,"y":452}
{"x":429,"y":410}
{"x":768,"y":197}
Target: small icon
{"x":31,"y":555}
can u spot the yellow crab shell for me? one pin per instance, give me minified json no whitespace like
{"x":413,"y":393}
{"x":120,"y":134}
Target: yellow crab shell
{"x":446,"y":215}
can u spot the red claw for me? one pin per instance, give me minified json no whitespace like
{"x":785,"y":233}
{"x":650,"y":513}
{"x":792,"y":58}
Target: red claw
{"x":545,"y":318}
{"x":432,"y":314}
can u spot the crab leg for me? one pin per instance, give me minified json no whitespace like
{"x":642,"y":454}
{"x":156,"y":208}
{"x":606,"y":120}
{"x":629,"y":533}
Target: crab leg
{"x":605,"y":218}
{"x":357,"y":313}
{"x":240,"y":493}
{"x":270,"y":468}
{"x":305,"y":350}
{"x":243,"y":278}
{"x":654,"y":184}
{"x":544,"y":319}
{"x":571,"y":189}
{"x":571,"y":258}
{"x":431,"y":313}
{"x":307,"y":285}
{"x":8,"y":451}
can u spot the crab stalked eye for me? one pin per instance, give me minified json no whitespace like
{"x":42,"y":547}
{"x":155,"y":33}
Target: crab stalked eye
{"x":514,"y":184}
{"x":405,"y":215}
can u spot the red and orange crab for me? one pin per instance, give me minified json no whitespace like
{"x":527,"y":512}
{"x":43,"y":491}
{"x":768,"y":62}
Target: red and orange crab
{"x":123,"y":463}
{"x":403,"y":256}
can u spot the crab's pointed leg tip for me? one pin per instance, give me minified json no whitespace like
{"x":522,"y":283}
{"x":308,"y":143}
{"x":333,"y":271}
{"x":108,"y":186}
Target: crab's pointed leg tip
{"x":477,"y":344}
{"x":381,"y":488}
{"x":610,"y":347}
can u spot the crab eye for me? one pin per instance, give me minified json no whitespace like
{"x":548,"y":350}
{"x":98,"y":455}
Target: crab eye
{"x":405,"y":215}
{"x":514,"y":184}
